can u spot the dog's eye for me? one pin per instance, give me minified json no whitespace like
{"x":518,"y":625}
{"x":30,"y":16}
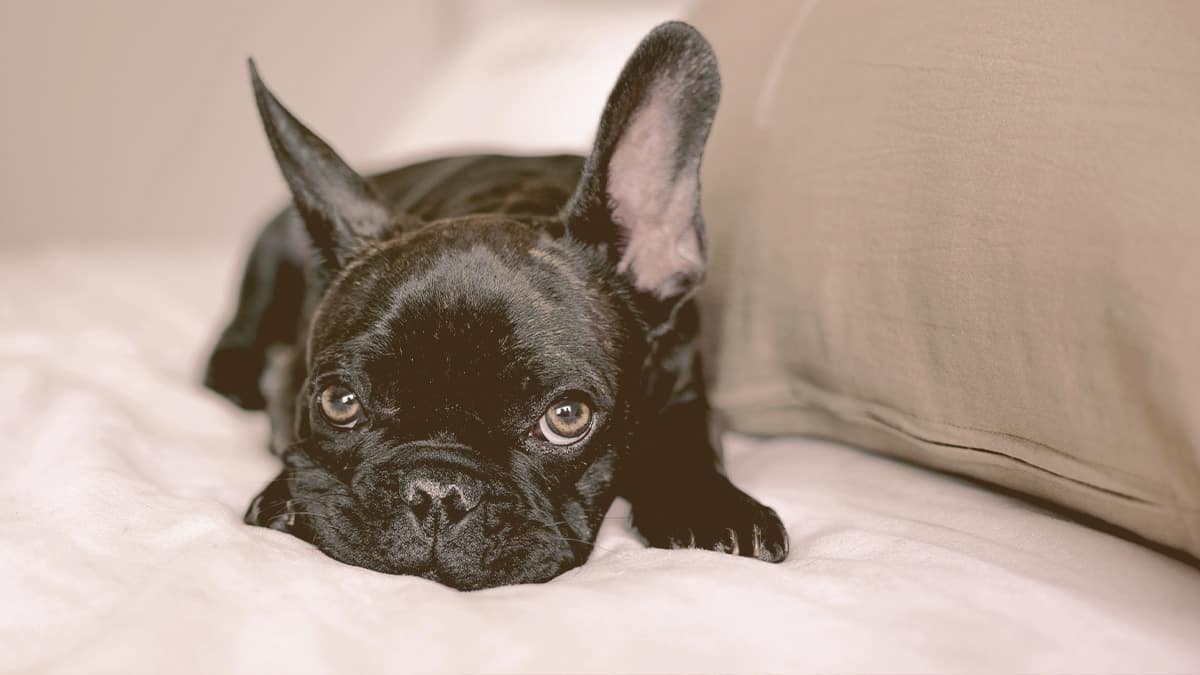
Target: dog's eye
{"x":565,"y":422}
{"x":340,"y":406}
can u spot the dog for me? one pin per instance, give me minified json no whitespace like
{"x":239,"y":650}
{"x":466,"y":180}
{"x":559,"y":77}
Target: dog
{"x":479,"y":353}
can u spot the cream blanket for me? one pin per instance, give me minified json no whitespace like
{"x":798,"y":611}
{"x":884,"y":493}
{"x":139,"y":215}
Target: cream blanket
{"x":122,"y":548}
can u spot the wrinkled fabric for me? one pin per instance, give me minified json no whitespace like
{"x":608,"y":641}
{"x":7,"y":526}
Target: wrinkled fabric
{"x":122,"y":548}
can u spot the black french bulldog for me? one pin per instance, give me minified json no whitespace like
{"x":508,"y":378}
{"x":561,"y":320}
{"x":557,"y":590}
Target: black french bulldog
{"x":486,"y":350}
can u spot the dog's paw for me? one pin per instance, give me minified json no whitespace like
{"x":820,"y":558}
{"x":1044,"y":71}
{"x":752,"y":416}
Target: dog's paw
{"x":722,"y":518}
{"x":273,"y":507}
{"x":234,"y":371}
{"x":278,"y":508}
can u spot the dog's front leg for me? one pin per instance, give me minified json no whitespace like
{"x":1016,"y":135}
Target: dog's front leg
{"x":681,"y":497}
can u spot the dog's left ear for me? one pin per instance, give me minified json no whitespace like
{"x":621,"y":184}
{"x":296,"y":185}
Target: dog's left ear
{"x":639,"y":196}
{"x":340,"y":209}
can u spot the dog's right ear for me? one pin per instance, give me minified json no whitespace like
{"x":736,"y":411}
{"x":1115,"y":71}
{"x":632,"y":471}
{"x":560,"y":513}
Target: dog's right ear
{"x":341,"y":211}
{"x":639,"y":195}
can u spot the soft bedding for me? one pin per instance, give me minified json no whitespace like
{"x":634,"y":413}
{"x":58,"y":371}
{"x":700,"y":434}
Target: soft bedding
{"x":122,"y":548}
{"x":123,"y":483}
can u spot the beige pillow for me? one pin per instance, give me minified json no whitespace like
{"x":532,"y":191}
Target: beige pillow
{"x":966,"y":234}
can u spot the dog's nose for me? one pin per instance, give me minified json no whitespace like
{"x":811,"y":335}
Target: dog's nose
{"x":440,"y":498}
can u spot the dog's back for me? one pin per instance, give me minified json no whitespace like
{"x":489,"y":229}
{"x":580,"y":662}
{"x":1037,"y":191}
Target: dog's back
{"x":459,"y":186}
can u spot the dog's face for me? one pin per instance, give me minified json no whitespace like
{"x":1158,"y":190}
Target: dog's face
{"x":468,"y":401}
{"x":473,"y":384}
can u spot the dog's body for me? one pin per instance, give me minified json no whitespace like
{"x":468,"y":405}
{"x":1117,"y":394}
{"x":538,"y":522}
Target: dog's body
{"x":486,"y":350}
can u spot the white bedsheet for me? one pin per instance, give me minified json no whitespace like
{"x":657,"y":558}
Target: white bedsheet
{"x":122,"y":549}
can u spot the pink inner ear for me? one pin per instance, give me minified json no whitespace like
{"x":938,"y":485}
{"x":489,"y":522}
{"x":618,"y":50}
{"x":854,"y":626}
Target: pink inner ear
{"x":652,"y":203}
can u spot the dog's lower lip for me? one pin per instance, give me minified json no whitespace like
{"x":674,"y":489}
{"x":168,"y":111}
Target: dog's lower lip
{"x":438,"y":575}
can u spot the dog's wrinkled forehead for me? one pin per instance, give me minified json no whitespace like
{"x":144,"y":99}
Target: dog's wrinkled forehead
{"x":471,"y":304}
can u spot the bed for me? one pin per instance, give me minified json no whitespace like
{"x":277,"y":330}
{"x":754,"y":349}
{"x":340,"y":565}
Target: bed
{"x":122,"y":548}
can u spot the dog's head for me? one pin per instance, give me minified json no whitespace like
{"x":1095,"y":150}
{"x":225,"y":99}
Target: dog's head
{"x":473,"y":385}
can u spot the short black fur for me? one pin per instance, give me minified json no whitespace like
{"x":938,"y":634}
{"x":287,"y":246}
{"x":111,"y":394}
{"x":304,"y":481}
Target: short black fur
{"x":452,"y":303}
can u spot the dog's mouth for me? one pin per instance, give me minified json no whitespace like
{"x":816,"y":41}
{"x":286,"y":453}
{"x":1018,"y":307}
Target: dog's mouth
{"x":455,"y":543}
